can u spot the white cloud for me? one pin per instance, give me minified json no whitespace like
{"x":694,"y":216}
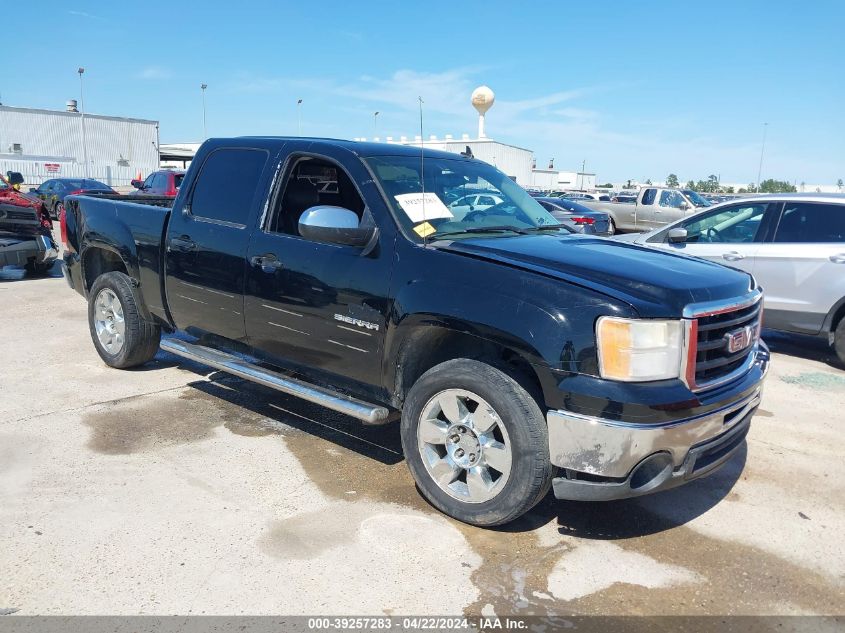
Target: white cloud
{"x":83,"y":14}
{"x":154,"y":73}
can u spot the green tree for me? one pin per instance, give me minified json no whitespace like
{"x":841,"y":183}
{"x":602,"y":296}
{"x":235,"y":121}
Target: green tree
{"x":839,"y":184}
{"x":672,"y":180}
{"x":690,"y":185}
{"x":607,"y":185}
{"x":771,"y":185}
{"x":712,"y":183}
{"x":742,"y":190}
{"x":728,"y":189}
{"x":648,"y":182}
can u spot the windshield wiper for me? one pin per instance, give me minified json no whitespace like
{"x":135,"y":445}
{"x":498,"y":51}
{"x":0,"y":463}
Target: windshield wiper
{"x":545,"y":227}
{"x":483,"y":229}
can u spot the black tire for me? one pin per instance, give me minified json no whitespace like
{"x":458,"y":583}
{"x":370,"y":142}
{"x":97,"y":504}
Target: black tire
{"x":612,"y":227}
{"x":531,"y":470}
{"x":38,"y":270}
{"x":141,"y":337}
{"x":839,"y":340}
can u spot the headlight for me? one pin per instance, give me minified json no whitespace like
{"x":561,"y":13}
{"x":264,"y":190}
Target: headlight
{"x":635,"y":350}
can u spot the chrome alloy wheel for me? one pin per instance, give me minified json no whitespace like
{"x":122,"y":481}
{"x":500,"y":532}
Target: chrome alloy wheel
{"x":464,"y":446}
{"x":108,"y":321}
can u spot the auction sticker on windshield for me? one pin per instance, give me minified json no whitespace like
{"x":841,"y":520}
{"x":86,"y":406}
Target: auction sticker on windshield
{"x":420,"y":207}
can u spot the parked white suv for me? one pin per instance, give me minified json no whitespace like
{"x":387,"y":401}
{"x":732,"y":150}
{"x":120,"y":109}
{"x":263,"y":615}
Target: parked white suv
{"x":794,"y":245}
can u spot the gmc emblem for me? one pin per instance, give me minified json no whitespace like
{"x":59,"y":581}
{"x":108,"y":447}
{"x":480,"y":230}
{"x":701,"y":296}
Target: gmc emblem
{"x":738,"y":340}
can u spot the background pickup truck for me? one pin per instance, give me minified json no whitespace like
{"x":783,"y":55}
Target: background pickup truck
{"x":26,"y":237}
{"x":654,"y":207}
{"x":520,"y":357}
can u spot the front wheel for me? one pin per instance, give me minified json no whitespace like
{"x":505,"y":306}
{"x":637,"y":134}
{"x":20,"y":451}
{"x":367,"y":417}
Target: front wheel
{"x":122,"y":337}
{"x":839,"y":340}
{"x":476,"y":443}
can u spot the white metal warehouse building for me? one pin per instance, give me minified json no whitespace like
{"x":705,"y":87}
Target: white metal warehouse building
{"x":44,"y":144}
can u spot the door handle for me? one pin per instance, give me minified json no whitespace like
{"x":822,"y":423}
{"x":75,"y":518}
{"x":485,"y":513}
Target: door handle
{"x":268,"y":263}
{"x":733,"y":256}
{"x":839,"y":258}
{"x":182,"y":244}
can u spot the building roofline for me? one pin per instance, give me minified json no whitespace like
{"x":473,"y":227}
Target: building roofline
{"x":66,"y":113}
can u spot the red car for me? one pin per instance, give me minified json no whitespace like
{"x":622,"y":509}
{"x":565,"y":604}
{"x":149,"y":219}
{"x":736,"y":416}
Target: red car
{"x":165,"y":182}
{"x":26,"y":237}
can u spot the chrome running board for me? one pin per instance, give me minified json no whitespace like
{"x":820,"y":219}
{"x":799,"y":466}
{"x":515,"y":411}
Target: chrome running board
{"x":367,"y":413}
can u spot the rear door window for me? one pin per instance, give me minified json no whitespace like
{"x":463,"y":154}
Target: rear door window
{"x":811,"y":222}
{"x":227,"y":184}
{"x":671,"y":199}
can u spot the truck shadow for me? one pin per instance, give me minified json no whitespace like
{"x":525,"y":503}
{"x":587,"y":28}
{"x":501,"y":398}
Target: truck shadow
{"x":640,"y":516}
{"x":600,"y":521}
{"x":801,"y":346}
{"x":380,"y":443}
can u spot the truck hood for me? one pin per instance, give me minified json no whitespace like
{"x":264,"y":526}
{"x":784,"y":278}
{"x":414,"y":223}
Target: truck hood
{"x":655,"y":283}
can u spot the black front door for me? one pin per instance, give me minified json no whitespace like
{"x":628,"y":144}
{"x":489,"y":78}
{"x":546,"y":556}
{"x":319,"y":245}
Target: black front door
{"x":321,"y":306}
{"x":207,"y":240}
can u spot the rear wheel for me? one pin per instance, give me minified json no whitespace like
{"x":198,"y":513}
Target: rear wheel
{"x":476,"y":443}
{"x":611,"y":227}
{"x":839,"y":340}
{"x":122,"y":337}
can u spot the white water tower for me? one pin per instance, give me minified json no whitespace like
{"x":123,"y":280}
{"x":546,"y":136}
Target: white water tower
{"x":482,"y":100}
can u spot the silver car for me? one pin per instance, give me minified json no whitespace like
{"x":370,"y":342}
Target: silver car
{"x":793,"y":244}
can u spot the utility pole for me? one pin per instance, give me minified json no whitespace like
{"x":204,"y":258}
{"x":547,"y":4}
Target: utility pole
{"x":583,"y":167}
{"x":299,"y":116}
{"x":81,"y":70}
{"x":375,"y":124}
{"x":204,"y":127}
{"x":762,"y":149}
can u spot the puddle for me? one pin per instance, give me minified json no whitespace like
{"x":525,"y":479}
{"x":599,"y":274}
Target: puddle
{"x":816,"y":380}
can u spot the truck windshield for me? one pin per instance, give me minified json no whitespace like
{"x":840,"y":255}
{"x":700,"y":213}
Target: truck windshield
{"x":696,"y":199}
{"x":462,"y":198}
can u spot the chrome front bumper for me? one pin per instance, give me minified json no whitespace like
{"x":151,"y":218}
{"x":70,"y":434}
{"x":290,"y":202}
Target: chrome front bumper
{"x":624,"y":460}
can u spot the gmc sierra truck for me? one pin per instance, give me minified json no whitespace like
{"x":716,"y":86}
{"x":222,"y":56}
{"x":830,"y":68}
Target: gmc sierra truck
{"x":520,"y":357}
{"x":654,"y":207}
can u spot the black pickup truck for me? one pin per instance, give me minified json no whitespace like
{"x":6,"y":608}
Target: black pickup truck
{"x":521,"y":357}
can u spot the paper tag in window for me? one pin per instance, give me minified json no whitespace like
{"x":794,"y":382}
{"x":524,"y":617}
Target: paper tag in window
{"x":420,"y":207}
{"x":424,"y":229}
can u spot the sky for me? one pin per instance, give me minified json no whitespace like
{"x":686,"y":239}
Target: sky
{"x":636,"y":89}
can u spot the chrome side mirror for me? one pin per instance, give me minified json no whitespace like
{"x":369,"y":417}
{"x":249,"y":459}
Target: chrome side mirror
{"x":334,"y":225}
{"x":677,"y":235}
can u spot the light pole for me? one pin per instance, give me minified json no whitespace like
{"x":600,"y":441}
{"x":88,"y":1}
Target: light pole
{"x":583,"y":167}
{"x":762,"y":149}
{"x":81,"y":70}
{"x":204,"y":128}
{"x":299,"y":116}
{"x":375,"y":124}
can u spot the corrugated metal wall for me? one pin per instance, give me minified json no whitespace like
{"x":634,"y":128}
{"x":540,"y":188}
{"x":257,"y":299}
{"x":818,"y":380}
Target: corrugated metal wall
{"x":116,"y":148}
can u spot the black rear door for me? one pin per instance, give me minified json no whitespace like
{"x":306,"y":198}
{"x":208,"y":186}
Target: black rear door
{"x":207,"y":241}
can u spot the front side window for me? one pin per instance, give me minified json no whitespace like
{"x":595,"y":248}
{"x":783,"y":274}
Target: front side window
{"x":810,"y":222}
{"x":672,"y":199}
{"x":313,"y":182}
{"x":732,"y":225}
{"x":428,"y":216}
{"x":649,"y":196}
{"x":227,"y":184}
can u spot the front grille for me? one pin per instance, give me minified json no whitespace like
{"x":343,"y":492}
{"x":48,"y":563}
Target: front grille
{"x":10,"y":213}
{"x":713,"y":357}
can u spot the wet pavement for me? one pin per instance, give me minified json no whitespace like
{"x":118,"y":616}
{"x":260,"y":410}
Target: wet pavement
{"x":178,"y":489}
